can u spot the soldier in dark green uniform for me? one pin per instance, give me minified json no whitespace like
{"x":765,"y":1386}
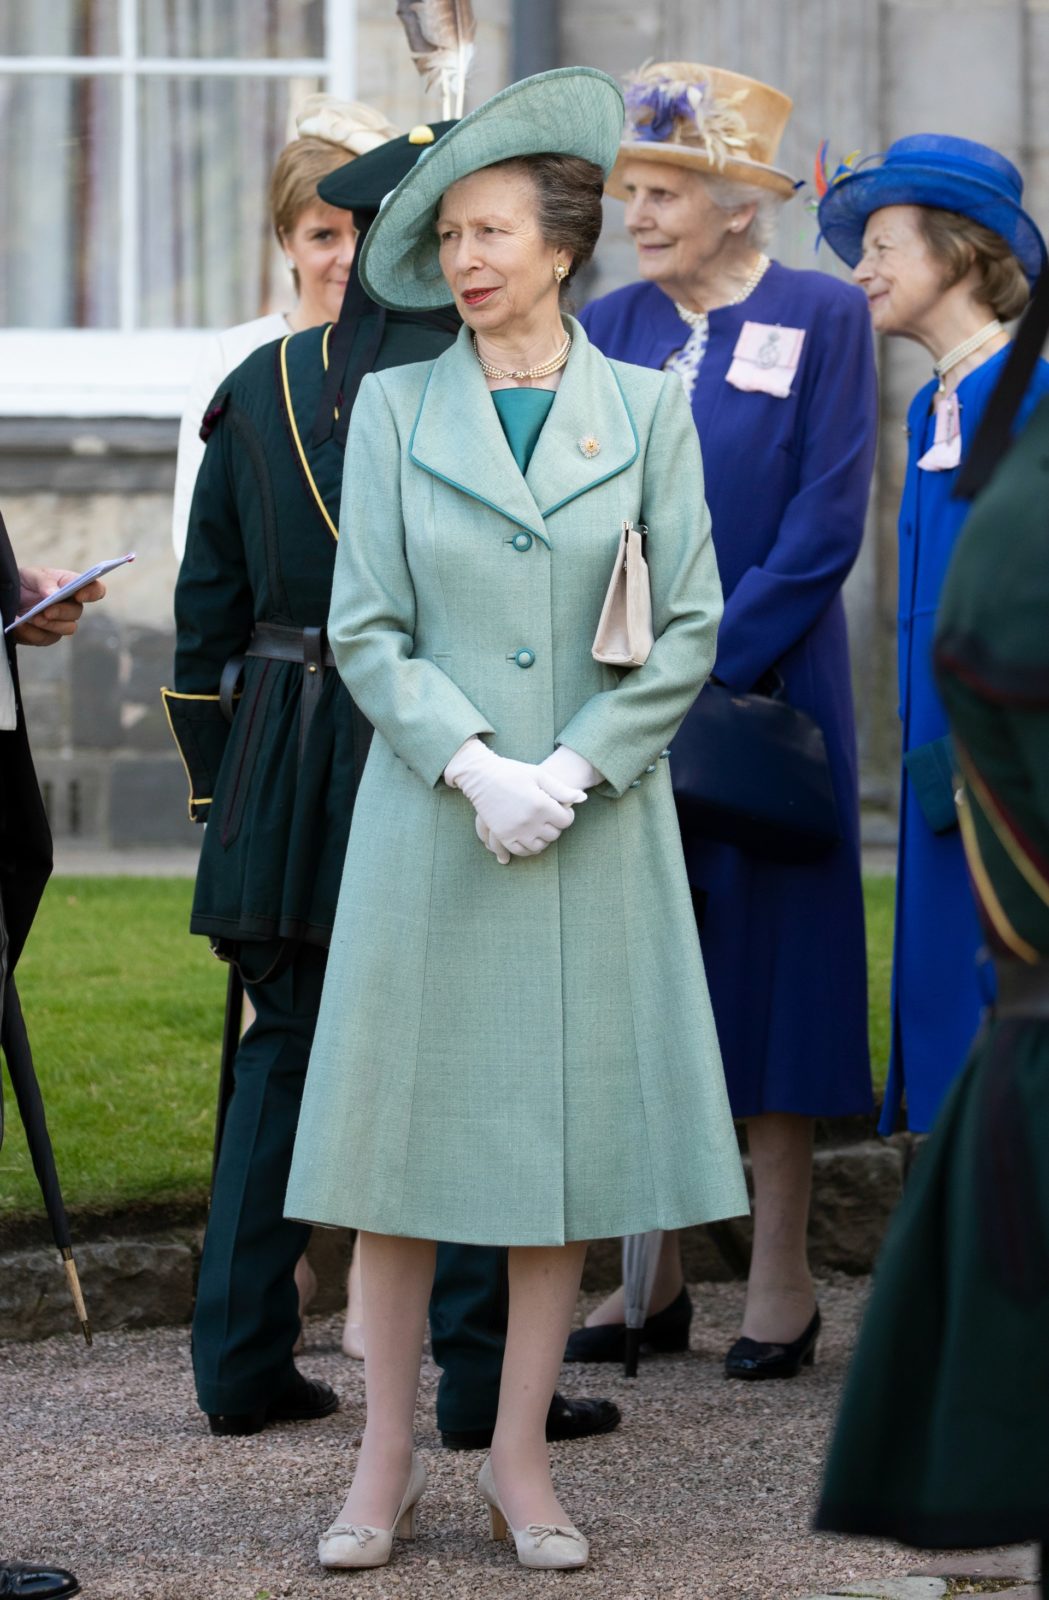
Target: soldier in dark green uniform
{"x":273,"y":748}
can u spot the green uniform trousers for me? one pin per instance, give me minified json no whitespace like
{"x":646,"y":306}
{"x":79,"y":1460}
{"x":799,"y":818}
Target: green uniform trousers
{"x":246,"y":1318}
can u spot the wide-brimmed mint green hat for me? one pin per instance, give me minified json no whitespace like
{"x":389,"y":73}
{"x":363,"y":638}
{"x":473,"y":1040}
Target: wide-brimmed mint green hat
{"x":571,"y":111}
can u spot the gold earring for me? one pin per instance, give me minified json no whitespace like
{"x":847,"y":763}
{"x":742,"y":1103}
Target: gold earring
{"x":560,"y":272}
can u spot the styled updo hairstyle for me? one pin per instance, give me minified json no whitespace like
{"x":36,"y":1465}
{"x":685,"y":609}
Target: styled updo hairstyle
{"x":958,"y":244}
{"x":568,"y":192}
{"x":300,"y":167}
{"x":729,"y":196}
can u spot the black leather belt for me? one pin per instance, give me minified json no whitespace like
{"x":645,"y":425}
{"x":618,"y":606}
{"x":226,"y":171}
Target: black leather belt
{"x":273,"y":641}
{"x":1023,"y":991}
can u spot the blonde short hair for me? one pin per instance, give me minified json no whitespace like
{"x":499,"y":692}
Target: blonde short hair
{"x":958,"y":244}
{"x":300,"y":167}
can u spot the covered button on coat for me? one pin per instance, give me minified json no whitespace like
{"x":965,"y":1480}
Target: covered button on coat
{"x":521,"y":1054}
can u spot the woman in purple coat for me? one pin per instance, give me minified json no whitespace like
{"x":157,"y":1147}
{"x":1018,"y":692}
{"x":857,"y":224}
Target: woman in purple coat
{"x":779,"y":368}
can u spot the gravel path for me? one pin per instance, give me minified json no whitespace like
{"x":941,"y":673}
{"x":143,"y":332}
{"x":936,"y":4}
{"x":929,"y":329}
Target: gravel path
{"x":705,"y":1492}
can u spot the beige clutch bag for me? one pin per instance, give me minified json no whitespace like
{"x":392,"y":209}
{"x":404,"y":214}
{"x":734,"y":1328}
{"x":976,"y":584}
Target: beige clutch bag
{"x":624,"y":634}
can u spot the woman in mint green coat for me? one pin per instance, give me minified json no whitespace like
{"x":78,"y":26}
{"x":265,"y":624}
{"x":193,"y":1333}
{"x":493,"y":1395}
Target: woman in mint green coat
{"x":515,"y":1043}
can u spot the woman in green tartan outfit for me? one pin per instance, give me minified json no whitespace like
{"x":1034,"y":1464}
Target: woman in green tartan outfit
{"x":533,"y":1060}
{"x":943,"y":1437}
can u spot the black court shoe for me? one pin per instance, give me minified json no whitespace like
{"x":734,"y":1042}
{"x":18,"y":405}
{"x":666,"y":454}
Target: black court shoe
{"x":301,"y":1400}
{"x":663,"y":1334}
{"x":24,"y":1580}
{"x":566,"y":1419}
{"x":753,"y":1358}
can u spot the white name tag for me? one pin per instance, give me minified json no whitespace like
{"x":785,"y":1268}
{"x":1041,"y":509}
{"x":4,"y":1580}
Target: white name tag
{"x":945,"y":451}
{"x":766,"y":358}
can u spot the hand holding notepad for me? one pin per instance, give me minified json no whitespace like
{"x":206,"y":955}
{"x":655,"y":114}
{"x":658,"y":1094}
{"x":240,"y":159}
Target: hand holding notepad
{"x":68,"y":590}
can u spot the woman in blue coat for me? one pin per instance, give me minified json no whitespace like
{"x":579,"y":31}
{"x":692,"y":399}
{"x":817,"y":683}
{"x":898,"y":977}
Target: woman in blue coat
{"x":943,"y":250}
{"x":779,"y":369}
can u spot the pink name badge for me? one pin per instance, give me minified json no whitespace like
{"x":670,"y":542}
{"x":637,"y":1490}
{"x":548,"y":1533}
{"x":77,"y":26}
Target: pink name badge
{"x":945,"y":451}
{"x":766,"y":358}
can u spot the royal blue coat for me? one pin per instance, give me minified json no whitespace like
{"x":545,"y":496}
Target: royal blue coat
{"x":938,"y":985}
{"x":787,"y":482}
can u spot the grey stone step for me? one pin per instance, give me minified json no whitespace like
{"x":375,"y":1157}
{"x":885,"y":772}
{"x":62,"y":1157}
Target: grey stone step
{"x":889,"y":1589}
{"x":146,"y":1279}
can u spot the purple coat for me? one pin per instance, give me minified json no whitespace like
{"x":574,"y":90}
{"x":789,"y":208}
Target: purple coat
{"x":787,"y":482}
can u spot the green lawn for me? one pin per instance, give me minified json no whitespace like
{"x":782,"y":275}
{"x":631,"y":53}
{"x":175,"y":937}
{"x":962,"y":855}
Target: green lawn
{"x":879,"y":894}
{"x":125,"y":1013}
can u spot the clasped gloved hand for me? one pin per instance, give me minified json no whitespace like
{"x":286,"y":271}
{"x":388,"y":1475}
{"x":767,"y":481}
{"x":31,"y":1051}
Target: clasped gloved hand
{"x":520,"y":808}
{"x":564,"y":765}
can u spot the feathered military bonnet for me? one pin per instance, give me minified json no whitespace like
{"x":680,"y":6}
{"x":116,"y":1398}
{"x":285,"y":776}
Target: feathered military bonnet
{"x":361,"y":186}
{"x":571,"y":111}
{"x":707,"y":120}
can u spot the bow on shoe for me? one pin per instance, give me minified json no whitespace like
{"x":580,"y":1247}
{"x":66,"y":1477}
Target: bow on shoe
{"x":352,"y":1530}
{"x":549,"y":1530}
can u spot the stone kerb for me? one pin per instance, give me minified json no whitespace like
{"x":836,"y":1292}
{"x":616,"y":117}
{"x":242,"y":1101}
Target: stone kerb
{"x":140,"y":1271}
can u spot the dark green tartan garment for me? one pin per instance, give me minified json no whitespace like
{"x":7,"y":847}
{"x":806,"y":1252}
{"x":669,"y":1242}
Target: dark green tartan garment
{"x":943,"y":1437}
{"x":261,"y":549}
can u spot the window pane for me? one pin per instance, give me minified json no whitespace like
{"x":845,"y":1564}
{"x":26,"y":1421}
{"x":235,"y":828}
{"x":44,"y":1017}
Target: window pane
{"x":58,"y":28}
{"x":241,"y":29}
{"x":59,"y":202}
{"x":207,"y":257}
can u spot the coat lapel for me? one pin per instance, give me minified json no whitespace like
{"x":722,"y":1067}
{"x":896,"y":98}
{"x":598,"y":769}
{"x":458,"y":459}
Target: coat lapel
{"x":458,"y":438}
{"x":589,"y":410}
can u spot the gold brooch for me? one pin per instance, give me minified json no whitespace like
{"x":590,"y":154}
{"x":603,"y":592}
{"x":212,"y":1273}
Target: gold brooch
{"x":589,"y":445}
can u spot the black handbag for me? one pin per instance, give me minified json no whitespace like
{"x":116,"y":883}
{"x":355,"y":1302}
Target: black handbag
{"x":751,"y":770}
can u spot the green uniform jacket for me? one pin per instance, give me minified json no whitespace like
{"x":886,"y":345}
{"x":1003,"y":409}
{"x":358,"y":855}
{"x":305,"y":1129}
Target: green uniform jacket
{"x":532,"y":1056}
{"x":261,"y":548}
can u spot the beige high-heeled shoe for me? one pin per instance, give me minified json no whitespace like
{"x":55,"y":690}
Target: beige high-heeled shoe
{"x":540,"y":1544}
{"x":351,"y":1544}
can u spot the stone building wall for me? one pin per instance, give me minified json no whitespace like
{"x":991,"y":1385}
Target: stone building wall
{"x":862,"y":72}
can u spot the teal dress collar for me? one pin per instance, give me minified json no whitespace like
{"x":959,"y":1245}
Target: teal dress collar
{"x":522,"y":413}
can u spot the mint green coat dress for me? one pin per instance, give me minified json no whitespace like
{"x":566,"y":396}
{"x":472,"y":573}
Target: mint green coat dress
{"x":518,"y":1054}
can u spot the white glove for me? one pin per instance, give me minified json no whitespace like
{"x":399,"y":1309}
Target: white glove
{"x":490,"y":842}
{"x":568,"y":766}
{"x":523,"y":814}
{"x":565,"y":764}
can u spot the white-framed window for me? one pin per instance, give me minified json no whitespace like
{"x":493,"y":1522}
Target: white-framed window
{"x":139,"y":136}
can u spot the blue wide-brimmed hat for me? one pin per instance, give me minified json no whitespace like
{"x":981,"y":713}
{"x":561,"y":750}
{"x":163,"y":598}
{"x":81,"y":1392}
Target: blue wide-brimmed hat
{"x":934,"y":169}
{"x":571,"y":111}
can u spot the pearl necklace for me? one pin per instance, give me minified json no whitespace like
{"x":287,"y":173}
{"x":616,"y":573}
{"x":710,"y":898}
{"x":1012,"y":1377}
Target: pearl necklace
{"x":544,"y":369}
{"x":953,"y":357}
{"x":697,"y":319}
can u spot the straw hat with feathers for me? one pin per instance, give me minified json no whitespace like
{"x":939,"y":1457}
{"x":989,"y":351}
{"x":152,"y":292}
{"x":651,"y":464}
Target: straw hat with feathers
{"x":707,"y":120}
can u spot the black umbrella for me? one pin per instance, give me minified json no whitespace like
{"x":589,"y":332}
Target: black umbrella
{"x":15,"y":1042}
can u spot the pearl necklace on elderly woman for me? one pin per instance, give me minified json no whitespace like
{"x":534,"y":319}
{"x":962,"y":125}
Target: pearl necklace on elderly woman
{"x":544,"y":369}
{"x":686,"y":361}
{"x":976,"y":341}
{"x":696,"y":319}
